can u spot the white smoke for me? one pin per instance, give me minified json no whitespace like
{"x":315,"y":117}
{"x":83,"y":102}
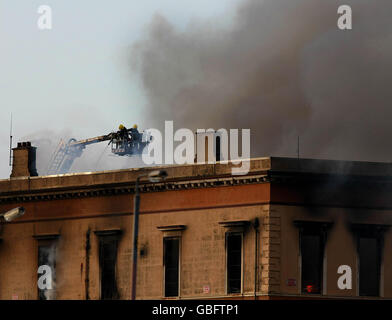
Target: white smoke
{"x":95,"y":157}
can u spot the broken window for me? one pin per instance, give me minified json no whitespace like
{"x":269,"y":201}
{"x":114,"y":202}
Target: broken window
{"x":171,"y":251}
{"x":312,"y":262}
{"x":369,"y":266}
{"x":47,"y":258}
{"x":107,"y":262}
{"x":234,"y":262}
{"x":312,"y":237}
{"x":370,"y":240}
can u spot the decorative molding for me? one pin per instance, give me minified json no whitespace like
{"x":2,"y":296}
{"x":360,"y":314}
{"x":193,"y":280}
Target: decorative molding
{"x":100,"y":190}
{"x":179,"y":227}
{"x":313,"y":224}
{"x":372,"y":230}
{"x":46,"y":236}
{"x":235,"y":226}
{"x":109,"y":232}
{"x":172,"y":231}
{"x":231,"y":224}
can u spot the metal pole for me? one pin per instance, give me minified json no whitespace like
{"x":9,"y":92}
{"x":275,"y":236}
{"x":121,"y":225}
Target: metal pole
{"x":11,"y":142}
{"x":135,"y":237}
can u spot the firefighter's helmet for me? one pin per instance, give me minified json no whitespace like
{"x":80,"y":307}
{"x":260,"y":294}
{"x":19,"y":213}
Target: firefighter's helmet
{"x":135,"y":126}
{"x":121,"y":126}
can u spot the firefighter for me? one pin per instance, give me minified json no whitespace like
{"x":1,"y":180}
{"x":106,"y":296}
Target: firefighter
{"x":134,"y":133}
{"x":123,"y":132}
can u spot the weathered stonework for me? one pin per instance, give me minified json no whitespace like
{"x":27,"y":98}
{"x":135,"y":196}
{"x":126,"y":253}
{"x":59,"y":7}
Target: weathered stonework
{"x":271,"y":254}
{"x":205,"y":200}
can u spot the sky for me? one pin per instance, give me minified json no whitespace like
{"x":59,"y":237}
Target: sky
{"x":75,"y":80}
{"x":285,"y":69}
{"x":281,"y":68}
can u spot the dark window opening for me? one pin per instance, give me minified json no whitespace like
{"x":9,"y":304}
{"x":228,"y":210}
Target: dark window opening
{"x":312,"y":240}
{"x":234,"y":262}
{"x":370,"y":243}
{"x":171,"y":248}
{"x":107,"y":261}
{"x":218,"y":149}
{"x":369,"y":266}
{"x":311,"y":261}
{"x":47,"y":256}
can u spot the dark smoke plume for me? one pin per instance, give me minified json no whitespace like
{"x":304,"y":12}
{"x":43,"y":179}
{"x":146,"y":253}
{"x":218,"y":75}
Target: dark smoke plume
{"x":283,"y":69}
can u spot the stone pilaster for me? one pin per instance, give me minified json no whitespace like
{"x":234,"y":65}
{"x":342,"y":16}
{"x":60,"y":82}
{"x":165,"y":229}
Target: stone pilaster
{"x":270,"y":261}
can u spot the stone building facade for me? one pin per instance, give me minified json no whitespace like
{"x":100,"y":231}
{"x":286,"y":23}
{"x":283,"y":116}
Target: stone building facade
{"x":282,"y":231}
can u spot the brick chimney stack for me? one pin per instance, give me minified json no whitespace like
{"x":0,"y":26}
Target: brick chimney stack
{"x":23,"y":163}
{"x":208,"y":146}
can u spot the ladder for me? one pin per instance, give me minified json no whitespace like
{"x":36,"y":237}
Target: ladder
{"x":57,"y":158}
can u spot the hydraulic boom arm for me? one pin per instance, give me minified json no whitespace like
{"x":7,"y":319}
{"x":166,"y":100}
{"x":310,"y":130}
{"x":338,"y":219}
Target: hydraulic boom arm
{"x":124,"y":142}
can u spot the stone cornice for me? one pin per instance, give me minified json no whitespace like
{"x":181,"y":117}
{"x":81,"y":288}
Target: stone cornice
{"x":126,"y":188}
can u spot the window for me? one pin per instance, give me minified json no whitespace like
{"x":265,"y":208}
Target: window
{"x":234,"y":262}
{"x":108,"y":244}
{"x":47,"y":256}
{"x":234,"y":238}
{"x":171,"y":253}
{"x":312,"y":237}
{"x":172,"y":235}
{"x":370,"y":239}
{"x":46,"y":265}
{"x":312,"y":262}
{"x":369,"y":266}
{"x":107,"y":262}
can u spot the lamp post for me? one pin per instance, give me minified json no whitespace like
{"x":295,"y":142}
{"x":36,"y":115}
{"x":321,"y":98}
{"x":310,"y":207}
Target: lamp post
{"x":153,"y":176}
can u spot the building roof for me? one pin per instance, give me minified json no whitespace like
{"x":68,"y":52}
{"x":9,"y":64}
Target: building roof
{"x":183,"y":177}
{"x":331,"y":167}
